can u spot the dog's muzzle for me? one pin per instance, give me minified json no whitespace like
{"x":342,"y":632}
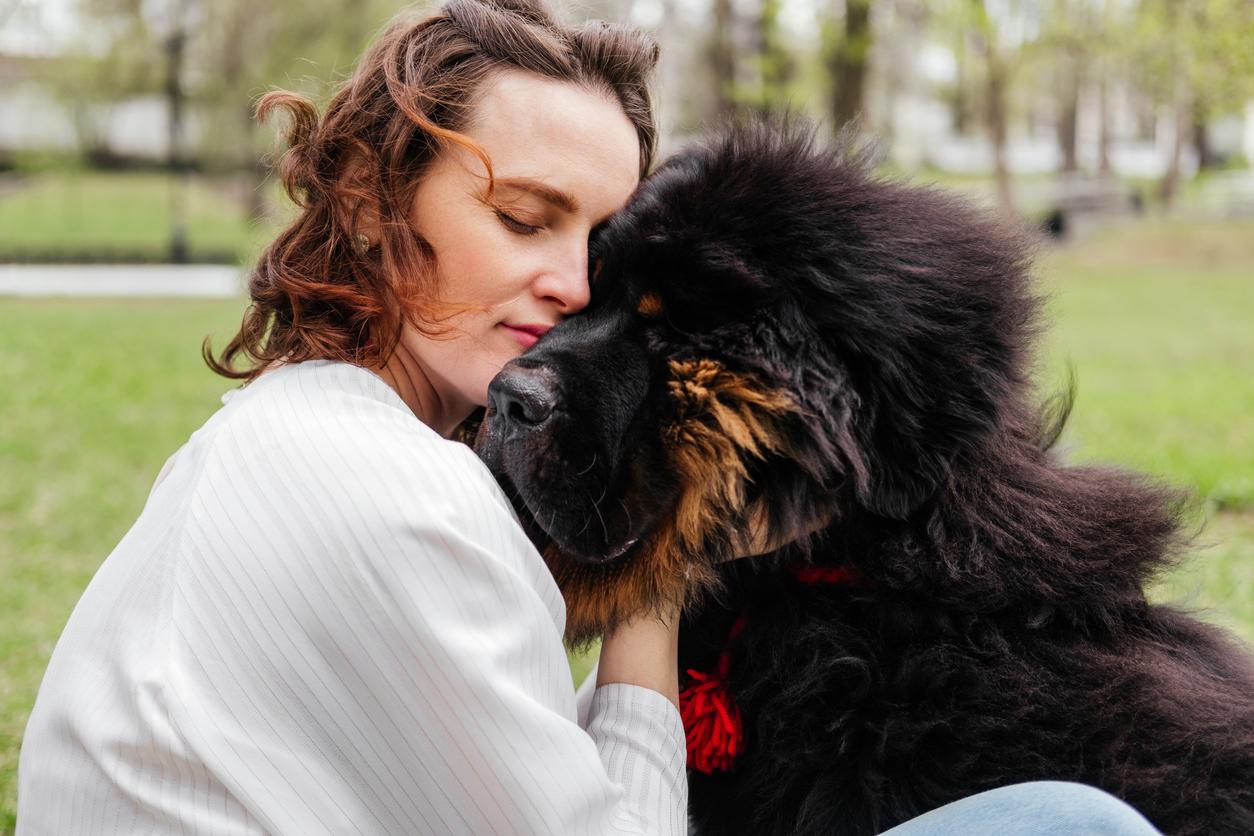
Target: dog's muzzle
{"x":523,"y":398}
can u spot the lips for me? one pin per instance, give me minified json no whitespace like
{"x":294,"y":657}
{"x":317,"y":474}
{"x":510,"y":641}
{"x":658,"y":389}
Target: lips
{"x":527,"y":335}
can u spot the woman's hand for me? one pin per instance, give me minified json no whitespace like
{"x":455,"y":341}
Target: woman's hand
{"x":644,"y":652}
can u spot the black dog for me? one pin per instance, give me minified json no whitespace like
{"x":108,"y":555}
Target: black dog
{"x":777,"y":337}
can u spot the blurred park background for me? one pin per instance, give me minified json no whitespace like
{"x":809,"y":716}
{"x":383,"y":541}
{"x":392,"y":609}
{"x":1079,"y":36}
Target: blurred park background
{"x":135,"y":191}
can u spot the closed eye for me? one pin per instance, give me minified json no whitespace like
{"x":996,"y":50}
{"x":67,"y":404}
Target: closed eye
{"x":514,"y":225}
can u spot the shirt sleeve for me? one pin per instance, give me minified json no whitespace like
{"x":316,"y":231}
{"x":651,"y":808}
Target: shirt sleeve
{"x":367,"y":643}
{"x":583,"y":696}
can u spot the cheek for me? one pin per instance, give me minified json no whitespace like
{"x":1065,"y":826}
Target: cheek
{"x":464,"y":274}
{"x":483,"y":277}
{"x":479,"y":265}
{"x":467,"y":362}
{"x":465,"y":252}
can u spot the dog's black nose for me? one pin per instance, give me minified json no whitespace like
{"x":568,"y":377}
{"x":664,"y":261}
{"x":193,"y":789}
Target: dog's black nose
{"x":525,"y":396}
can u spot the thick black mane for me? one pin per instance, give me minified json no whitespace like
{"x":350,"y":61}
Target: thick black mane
{"x":779,"y":334}
{"x":1003,"y":633}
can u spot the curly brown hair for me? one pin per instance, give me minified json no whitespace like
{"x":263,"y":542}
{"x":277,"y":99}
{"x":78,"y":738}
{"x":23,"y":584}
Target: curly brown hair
{"x":314,"y":296}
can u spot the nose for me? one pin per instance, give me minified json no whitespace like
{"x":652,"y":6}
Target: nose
{"x":566,"y":283}
{"x":523,"y":396}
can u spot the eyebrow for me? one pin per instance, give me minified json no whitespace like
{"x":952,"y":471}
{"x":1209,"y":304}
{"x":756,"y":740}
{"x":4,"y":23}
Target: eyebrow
{"x":557,"y":197}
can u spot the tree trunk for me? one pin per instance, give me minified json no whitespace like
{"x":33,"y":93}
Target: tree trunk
{"x":723,"y":59}
{"x":997,"y":77}
{"x":1102,"y":76}
{"x":997,"y":119}
{"x":960,"y":101}
{"x":1201,"y":136}
{"x":775,"y":64}
{"x":177,"y":164}
{"x":1169,"y":188}
{"x":847,"y":63}
{"x":1068,"y":112}
{"x":1104,"y":168}
{"x":1182,"y":113}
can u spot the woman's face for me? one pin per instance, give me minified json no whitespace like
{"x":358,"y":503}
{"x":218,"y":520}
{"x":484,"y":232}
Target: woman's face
{"x":514,"y":265}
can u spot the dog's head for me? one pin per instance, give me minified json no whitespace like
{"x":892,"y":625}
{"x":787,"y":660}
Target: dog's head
{"x":774,"y":334}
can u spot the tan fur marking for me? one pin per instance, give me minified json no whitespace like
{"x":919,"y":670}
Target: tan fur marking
{"x":650,"y":305}
{"x":725,"y":418}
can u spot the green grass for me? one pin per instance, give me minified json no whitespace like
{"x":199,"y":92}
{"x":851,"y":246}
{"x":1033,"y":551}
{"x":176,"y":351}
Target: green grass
{"x":1154,"y":320}
{"x":78,"y":214}
{"x":1157,"y":324}
{"x":97,"y":394}
{"x":1216,"y":582}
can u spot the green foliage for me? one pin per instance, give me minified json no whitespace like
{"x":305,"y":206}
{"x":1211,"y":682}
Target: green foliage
{"x":846,"y":51}
{"x":1040,"y":49}
{"x":253,"y":48}
{"x":235,"y":50}
{"x":1207,"y":45}
{"x":120,"y":58}
{"x":776,"y":64}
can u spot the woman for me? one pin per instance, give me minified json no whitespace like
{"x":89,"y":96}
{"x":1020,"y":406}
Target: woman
{"x":327,"y":619}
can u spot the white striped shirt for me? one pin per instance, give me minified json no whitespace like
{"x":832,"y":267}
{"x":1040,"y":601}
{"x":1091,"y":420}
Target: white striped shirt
{"x":327,"y":620}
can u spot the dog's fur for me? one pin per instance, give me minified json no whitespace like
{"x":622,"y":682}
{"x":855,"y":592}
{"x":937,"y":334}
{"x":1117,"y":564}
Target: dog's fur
{"x":777,"y":333}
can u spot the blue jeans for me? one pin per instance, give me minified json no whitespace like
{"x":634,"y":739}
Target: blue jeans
{"x":1039,"y":808}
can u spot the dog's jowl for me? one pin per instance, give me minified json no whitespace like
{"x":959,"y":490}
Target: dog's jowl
{"x":780,"y":342}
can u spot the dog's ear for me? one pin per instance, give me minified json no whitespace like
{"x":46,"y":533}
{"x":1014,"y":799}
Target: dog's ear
{"x":929,"y":309}
{"x":903,"y":470}
{"x":890,"y":473}
{"x":901,"y":423}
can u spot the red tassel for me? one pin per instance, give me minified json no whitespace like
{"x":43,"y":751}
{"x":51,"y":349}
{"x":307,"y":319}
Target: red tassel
{"x":712,"y":723}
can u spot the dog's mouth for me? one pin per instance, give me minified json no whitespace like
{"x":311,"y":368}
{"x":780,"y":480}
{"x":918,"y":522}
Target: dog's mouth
{"x":620,"y":550}
{"x":568,"y":498}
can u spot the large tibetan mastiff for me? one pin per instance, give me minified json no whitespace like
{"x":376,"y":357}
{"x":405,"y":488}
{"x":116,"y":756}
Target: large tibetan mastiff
{"x":777,"y":337}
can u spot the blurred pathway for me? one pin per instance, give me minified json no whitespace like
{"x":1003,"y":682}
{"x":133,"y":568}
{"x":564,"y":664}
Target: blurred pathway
{"x":205,"y":281}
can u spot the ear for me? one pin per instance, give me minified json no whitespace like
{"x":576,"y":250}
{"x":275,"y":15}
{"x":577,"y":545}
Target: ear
{"x":901,"y":477}
{"x":908,"y":443}
{"x":897,"y":453}
{"x":357,"y":204}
